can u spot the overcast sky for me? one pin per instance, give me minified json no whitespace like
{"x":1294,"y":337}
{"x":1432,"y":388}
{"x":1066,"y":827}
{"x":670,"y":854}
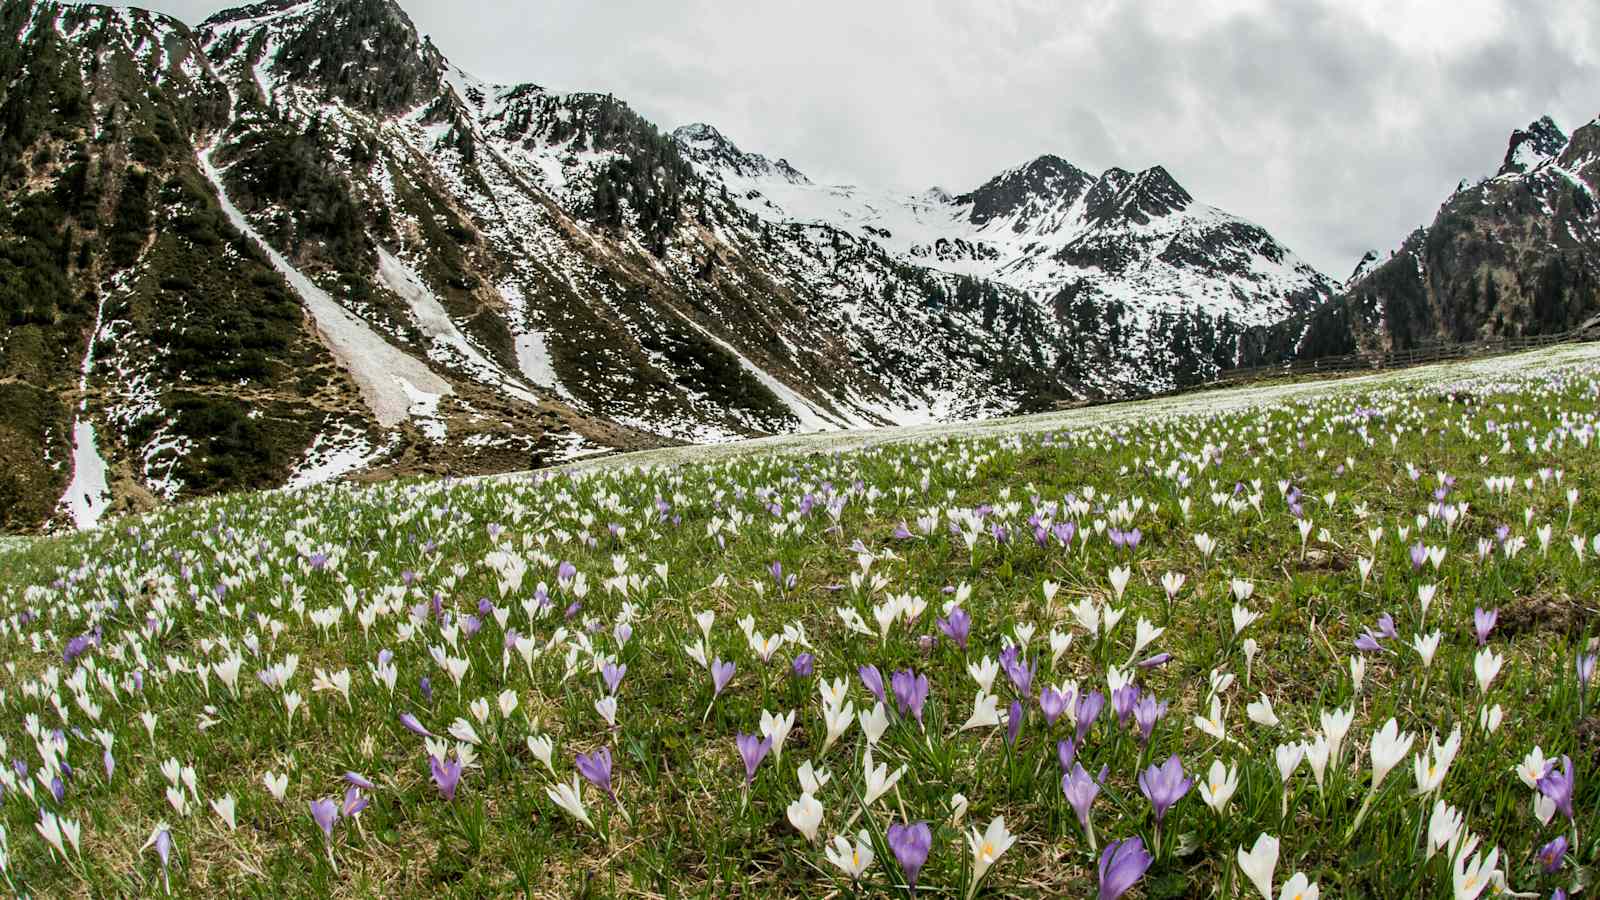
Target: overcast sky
{"x":1339,"y":125}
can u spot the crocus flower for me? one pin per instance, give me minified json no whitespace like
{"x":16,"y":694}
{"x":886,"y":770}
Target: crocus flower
{"x":354,"y":802}
{"x":805,"y":665}
{"x":596,"y":768}
{"x":805,"y":815}
{"x":1123,"y":699}
{"x":1122,"y":864}
{"x":956,"y":625}
{"x":910,"y":692}
{"x":1146,"y":714}
{"x":1080,"y":791}
{"x":1259,"y":864}
{"x":987,"y":846}
{"x":358,"y":780}
{"x":1052,"y":703}
{"x":873,"y":679}
{"x":911,"y":844}
{"x":325,"y":812}
{"x":1164,"y":786}
{"x":853,"y":861}
{"x":569,"y":797}
{"x":1551,"y":854}
{"x":1014,"y":718}
{"x":1483,"y":623}
{"x":1557,"y":784}
{"x":612,"y":674}
{"x":721,"y":674}
{"x":1087,"y":710}
{"x":161,"y":840}
{"x":1066,"y":752}
{"x":1021,"y":675}
{"x":1586,"y":666}
{"x":446,"y":776}
{"x":1386,"y":627}
{"x":752,"y":750}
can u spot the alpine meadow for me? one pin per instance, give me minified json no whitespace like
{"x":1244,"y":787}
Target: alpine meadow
{"x":417,"y":486}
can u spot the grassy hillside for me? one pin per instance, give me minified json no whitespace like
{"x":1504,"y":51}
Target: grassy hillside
{"x":1207,"y":580}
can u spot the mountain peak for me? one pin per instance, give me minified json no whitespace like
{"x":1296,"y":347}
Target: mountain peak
{"x":1136,"y":196}
{"x":1369,"y":261}
{"x":1531,"y":146}
{"x":1043,"y":183}
{"x":704,"y":145}
{"x":367,"y":53}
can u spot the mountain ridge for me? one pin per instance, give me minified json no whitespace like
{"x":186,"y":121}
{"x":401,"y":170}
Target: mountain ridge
{"x":385,"y":265}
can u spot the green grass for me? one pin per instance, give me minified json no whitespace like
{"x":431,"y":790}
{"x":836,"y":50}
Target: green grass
{"x":151,"y":585}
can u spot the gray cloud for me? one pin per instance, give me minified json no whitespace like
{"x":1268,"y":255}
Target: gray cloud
{"x":1339,"y":125}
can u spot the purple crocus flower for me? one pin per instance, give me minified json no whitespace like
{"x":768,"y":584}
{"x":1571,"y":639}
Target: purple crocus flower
{"x":1386,"y":629}
{"x":1088,"y":709}
{"x":356,"y":779}
{"x":1557,"y":784}
{"x":1066,"y":752}
{"x":412,"y":725}
{"x":1122,"y":864}
{"x":805,"y":665}
{"x":873,"y":679}
{"x":446,"y":775}
{"x":1586,"y":664}
{"x":426,"y":686}
{"x":1419,"y":555}
{"x":1164,"y":785}
{"x":1368,"y":643}
{"x":325,"y":812}
{"x":1146,"y":714}
{"x":1160,"y":659}
{"x":612,"y":674}
{"x":1052,"y":703}
{"x":596,"y":768}
{"x":721,"y":674}
{"x":1064,"y":532}
{"x":58,"y":789}
{"x":753,"y":750}
{"x":957,"y":626}
{"x":911,"y":844}
{"x":1014,"y":722}
{"x":1021,"y":675}
{"x":164,"y":847}
{"x":354,"y":802}
{"x":1483,"y":623}
{"x":910,"y":692}
{"x":1123,"y":700}
{"x":1080,"y":791}
{"x":1551,"y":854}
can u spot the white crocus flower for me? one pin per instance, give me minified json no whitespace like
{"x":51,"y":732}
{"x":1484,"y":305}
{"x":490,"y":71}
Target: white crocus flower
{"x":1259,"y":864}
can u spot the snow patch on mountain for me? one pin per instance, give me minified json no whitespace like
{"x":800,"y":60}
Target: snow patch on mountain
{"x":389,"y":379}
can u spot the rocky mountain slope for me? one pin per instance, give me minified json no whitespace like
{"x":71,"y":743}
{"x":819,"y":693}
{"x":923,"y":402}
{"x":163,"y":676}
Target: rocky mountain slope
{"x":1514,"y":254}
{"x":295,"y":243}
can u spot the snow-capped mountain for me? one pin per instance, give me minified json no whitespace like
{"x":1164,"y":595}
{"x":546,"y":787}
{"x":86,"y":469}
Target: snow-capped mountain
{"x":1514,"y":254}
{"x":1046,"y":228}
{"x":296,"y":243}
